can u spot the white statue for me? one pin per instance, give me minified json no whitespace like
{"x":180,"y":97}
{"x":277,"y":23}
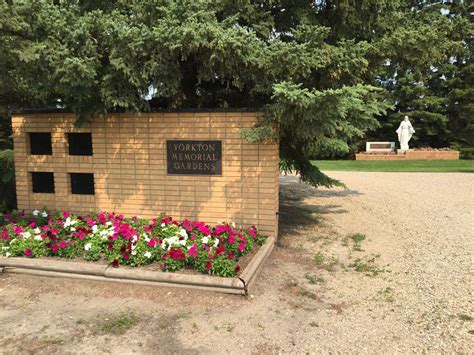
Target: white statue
{"x":405,"y":131}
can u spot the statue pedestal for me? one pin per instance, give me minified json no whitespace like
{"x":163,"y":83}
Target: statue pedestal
{"x":403,"y":151}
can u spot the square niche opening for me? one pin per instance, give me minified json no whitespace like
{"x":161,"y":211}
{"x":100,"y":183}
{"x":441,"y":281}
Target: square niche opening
{"x":82,"y":183}
{"x":43,"y":182}
{"x":40,"y":143}
{"x":80,"y":143}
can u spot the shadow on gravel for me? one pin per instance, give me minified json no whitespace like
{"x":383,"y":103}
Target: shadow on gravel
{"x":297,"y":214}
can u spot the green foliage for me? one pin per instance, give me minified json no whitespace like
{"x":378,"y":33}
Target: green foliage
{"x":323,"y":72}
{"x":7,"y":181}
{"x":120,"y":324}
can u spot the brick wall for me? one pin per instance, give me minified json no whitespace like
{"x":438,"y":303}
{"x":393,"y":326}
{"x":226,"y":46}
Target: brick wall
{"x":130,"y":170}
{"x":413,"y":155}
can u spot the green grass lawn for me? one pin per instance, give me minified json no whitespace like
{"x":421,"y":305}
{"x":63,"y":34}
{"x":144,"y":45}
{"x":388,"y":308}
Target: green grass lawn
{"x":437,"y":166}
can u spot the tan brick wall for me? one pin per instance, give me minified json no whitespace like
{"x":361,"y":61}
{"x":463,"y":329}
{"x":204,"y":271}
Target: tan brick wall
{"x":129,"y":166}
{"x":413,"y":155}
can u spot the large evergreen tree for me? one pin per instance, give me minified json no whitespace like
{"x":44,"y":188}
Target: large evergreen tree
{"x":322,"y":71}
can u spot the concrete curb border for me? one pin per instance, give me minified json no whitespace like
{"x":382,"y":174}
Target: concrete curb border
{"x":89,"y":271}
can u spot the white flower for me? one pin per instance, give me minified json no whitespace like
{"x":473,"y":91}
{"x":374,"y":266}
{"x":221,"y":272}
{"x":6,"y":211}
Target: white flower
{"x":134,"y":252}
{"x":104,"y":233}
{"x":108,"y":223}
{"x":37,"y":230}
{"x":7,"y":254}
{"x":205,"y":240}
{"x":134,"y":238}
{"x":145,"y":236}
{"x":73,"y":229}
{"x":94,"y":228}
{"x":182,"y":242}
{"x":183,"y":233}
{"x":232,"y":224}
{"x":147,"y":254}
{"x":38,"y":237}
{"x":69,"y":222}
{"x":5,"y":248}
{"x":26,"y":235}
{"x":35,"y":213}
{"x":44,"y":214}
{"x":88,"y":246}
{"x":163,"y":225}
{"x":216,"y":243}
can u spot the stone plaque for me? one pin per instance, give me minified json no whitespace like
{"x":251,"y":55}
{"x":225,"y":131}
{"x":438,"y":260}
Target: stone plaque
{"x":381,"y":146}
{"x":194,"y":157}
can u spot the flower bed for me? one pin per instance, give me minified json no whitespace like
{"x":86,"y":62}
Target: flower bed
{"x":129,"y":241}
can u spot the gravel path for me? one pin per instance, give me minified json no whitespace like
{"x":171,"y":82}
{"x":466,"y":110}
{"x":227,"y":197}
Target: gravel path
{"x":385,"y":266}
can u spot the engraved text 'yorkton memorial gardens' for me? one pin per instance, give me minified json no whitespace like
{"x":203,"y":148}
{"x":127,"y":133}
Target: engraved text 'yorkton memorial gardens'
{"x":194,"y":157}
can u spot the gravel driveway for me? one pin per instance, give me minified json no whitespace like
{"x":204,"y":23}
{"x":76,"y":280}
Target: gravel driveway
{"x":384,"y":266}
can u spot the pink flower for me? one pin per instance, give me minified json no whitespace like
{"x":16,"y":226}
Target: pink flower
{"x":54,"y":231}
{"x":126,"y":256}
{"x":166,"y":220}
{"x":66,"y":214}
{"x":152,"y":243}
{"x":231,"y":239}
{"x":230,"y":255}
{"x":101,"y":216}
{"x":252,"y":232}
{"x":193,"y":251}
{"x":27,"y":252}
{"x":241,"y":246}
{"x":17,"y":230}
{"x":193,"y":236}
{"x":54,"y":248}
{"x":63,"y":245}
{"x":32,"y":224}
{"x":187,"y":225}
{"x":211,"y":256}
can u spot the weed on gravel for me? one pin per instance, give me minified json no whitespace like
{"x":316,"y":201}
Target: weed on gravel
{"x":356,"y":239}
{"x":120,"y":324}
{"x":366,"y":266}
{"x":324,"y":262}
{"x":313,"y":279}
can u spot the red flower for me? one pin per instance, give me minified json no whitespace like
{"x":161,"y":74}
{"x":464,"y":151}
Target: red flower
{"x":231,"y":239}
{"x":220,"y":250}
{"x":230,"y":255}
{"x":27,"y":252}
{"x":63,"y":245}
{"x":211,"y":256}
{"x":208,"y":265}
{"x":5,"y":234}
{"x":237,"y":269}
{"x":126,"y":256}
{"x":152,"y":243}
{"x":241,"y":246}
{"x":54,"y":248}
{"x":115,"y":263}
{"x":110,"y":245}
